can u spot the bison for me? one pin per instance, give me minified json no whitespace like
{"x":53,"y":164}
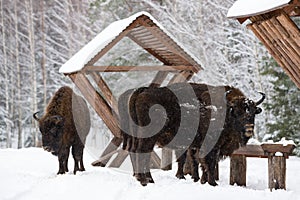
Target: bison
{"x":65,"y":124}
{"x":231,"y":138}
{"x":214,"y":119}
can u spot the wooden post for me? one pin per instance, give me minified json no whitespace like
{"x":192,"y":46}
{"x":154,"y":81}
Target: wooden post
{"x":121,"y":156}
{"x":166,"y":159}
{"x":155,"y":161}
{"x":277,"y":172}
{"x":238,"y":168}
{"x":108,"y":152}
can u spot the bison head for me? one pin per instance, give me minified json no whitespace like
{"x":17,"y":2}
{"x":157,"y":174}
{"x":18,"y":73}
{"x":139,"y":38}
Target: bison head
{"x":242,"y":113}
{"x":51,"y":128}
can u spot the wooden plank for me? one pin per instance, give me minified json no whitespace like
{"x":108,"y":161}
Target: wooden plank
{"x":159,"y":79}
{"x":277,"y":172}
{"x":97,"y":102}
{"x":278,"y":46}
{"x":112,"y":43}
{"x":291,"y":27}
{"x":103,"y":160}
{"x":284,"y":47}
{"x":260,"y":34}
{"x":155,"y":161}
{"x":106,"y":91}
{"x":181,"y":77}
{"x":138,"y":68}
{"x":288,"y":40}
{"x":166,"y":159}
{"x":238,"y":170}
{"x":273,"y":148}
{"x":119,"y":159}
{"x":109,"y":151}
{"x":151,"y":51}
{"x":250,"y":151}
{"x":170,"y":44}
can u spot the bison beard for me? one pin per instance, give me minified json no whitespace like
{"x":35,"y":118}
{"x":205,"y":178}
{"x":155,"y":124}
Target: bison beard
{"x":229,"y":104}
{"x":65,"y":124}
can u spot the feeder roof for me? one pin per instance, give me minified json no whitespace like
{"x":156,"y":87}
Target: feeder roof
{"x":144,"y":30}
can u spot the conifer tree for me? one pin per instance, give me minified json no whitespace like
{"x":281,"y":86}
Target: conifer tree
{"x":284,"y":105}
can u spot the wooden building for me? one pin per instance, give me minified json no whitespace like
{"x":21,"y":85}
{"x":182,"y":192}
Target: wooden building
{"x":146,"y":32}
{"x":272,"y":23}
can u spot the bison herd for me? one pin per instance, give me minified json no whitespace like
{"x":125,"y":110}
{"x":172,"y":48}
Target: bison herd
{"x":208,"y":122}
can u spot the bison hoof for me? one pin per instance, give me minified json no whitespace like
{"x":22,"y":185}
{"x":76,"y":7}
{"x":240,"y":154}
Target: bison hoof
{"x":150,"y":180}
{"x":180,"y":176}
{"x":196,"y":179}
{"x":213,"y":183}
{"x":203,"y":180}
{"x":60,"y":172}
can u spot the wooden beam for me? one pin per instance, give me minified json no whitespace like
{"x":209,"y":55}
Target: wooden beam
{"x":261,"y":35}
{"x":238,"y":170}
{"x":169,"y":43}
{"x":282,"y":31}
{"x":181,"y":77}
{"x":277,"y":172}
{"x":106,"y":91}
{"x":166,"y":159}
{"x":119,"y":159}
{"x":109,"y":151}
{"x":159,"y":79}
{"x":97,"y":102}
{"x":112,"y":43}
{"x":137,"y":68}
{"x":250,"y":151}
{"x":291,"y":27}
{"x":282,"y":52}
{"x":281,"y":46}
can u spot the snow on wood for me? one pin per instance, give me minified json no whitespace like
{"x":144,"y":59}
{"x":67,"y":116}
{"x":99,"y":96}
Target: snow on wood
{"x":246,"y":8}
{"x":83,"y":56}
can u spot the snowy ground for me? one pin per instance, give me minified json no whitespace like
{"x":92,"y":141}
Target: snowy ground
{"x":31,"y":174}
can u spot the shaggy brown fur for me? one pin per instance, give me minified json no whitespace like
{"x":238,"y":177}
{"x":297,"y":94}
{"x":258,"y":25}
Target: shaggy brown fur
{"x":65,"y":124}
{"x":183,"y":120}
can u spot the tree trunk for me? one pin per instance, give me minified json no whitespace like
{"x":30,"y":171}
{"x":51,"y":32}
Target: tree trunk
{"x":6,"y":81}
{"x":19,"y":106}
{"x":33,"y":68}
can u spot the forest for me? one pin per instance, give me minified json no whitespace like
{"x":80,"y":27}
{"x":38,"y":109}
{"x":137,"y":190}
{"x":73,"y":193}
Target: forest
{"x":37,"y":37}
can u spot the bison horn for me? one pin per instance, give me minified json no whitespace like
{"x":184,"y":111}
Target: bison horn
{"x":262,"y":99}
{"x":35,"y":117}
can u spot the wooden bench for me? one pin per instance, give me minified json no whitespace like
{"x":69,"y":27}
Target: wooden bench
{"x":276,"y":154}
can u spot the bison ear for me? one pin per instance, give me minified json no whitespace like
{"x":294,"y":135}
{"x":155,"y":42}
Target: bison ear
{"x":57,"y":119}
{"x":258,"y":110}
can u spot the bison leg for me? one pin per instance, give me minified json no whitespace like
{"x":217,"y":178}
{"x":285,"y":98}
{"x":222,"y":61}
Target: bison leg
{"x":143,"y":155}
{"x":143,"y":166}
{"x":208,"y":168}
{"x":195,"y":172}
{"x":204,"y":175}
{"x":181,"y":158}
{"x":63,"y":156}
{"x":77,"y":152}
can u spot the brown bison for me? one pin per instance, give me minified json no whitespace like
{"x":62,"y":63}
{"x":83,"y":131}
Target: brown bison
{"x":65,"y":124}
{"x":214,"y":119}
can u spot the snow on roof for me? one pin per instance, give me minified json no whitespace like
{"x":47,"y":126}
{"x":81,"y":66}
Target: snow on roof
{"x":83,"y":56}
{"x":246,"y":8}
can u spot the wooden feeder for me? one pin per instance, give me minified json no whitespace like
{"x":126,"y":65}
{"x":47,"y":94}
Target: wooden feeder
{"x":272,"y":24}
{"x":145,"y":31}
{"x":276,"y":154}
